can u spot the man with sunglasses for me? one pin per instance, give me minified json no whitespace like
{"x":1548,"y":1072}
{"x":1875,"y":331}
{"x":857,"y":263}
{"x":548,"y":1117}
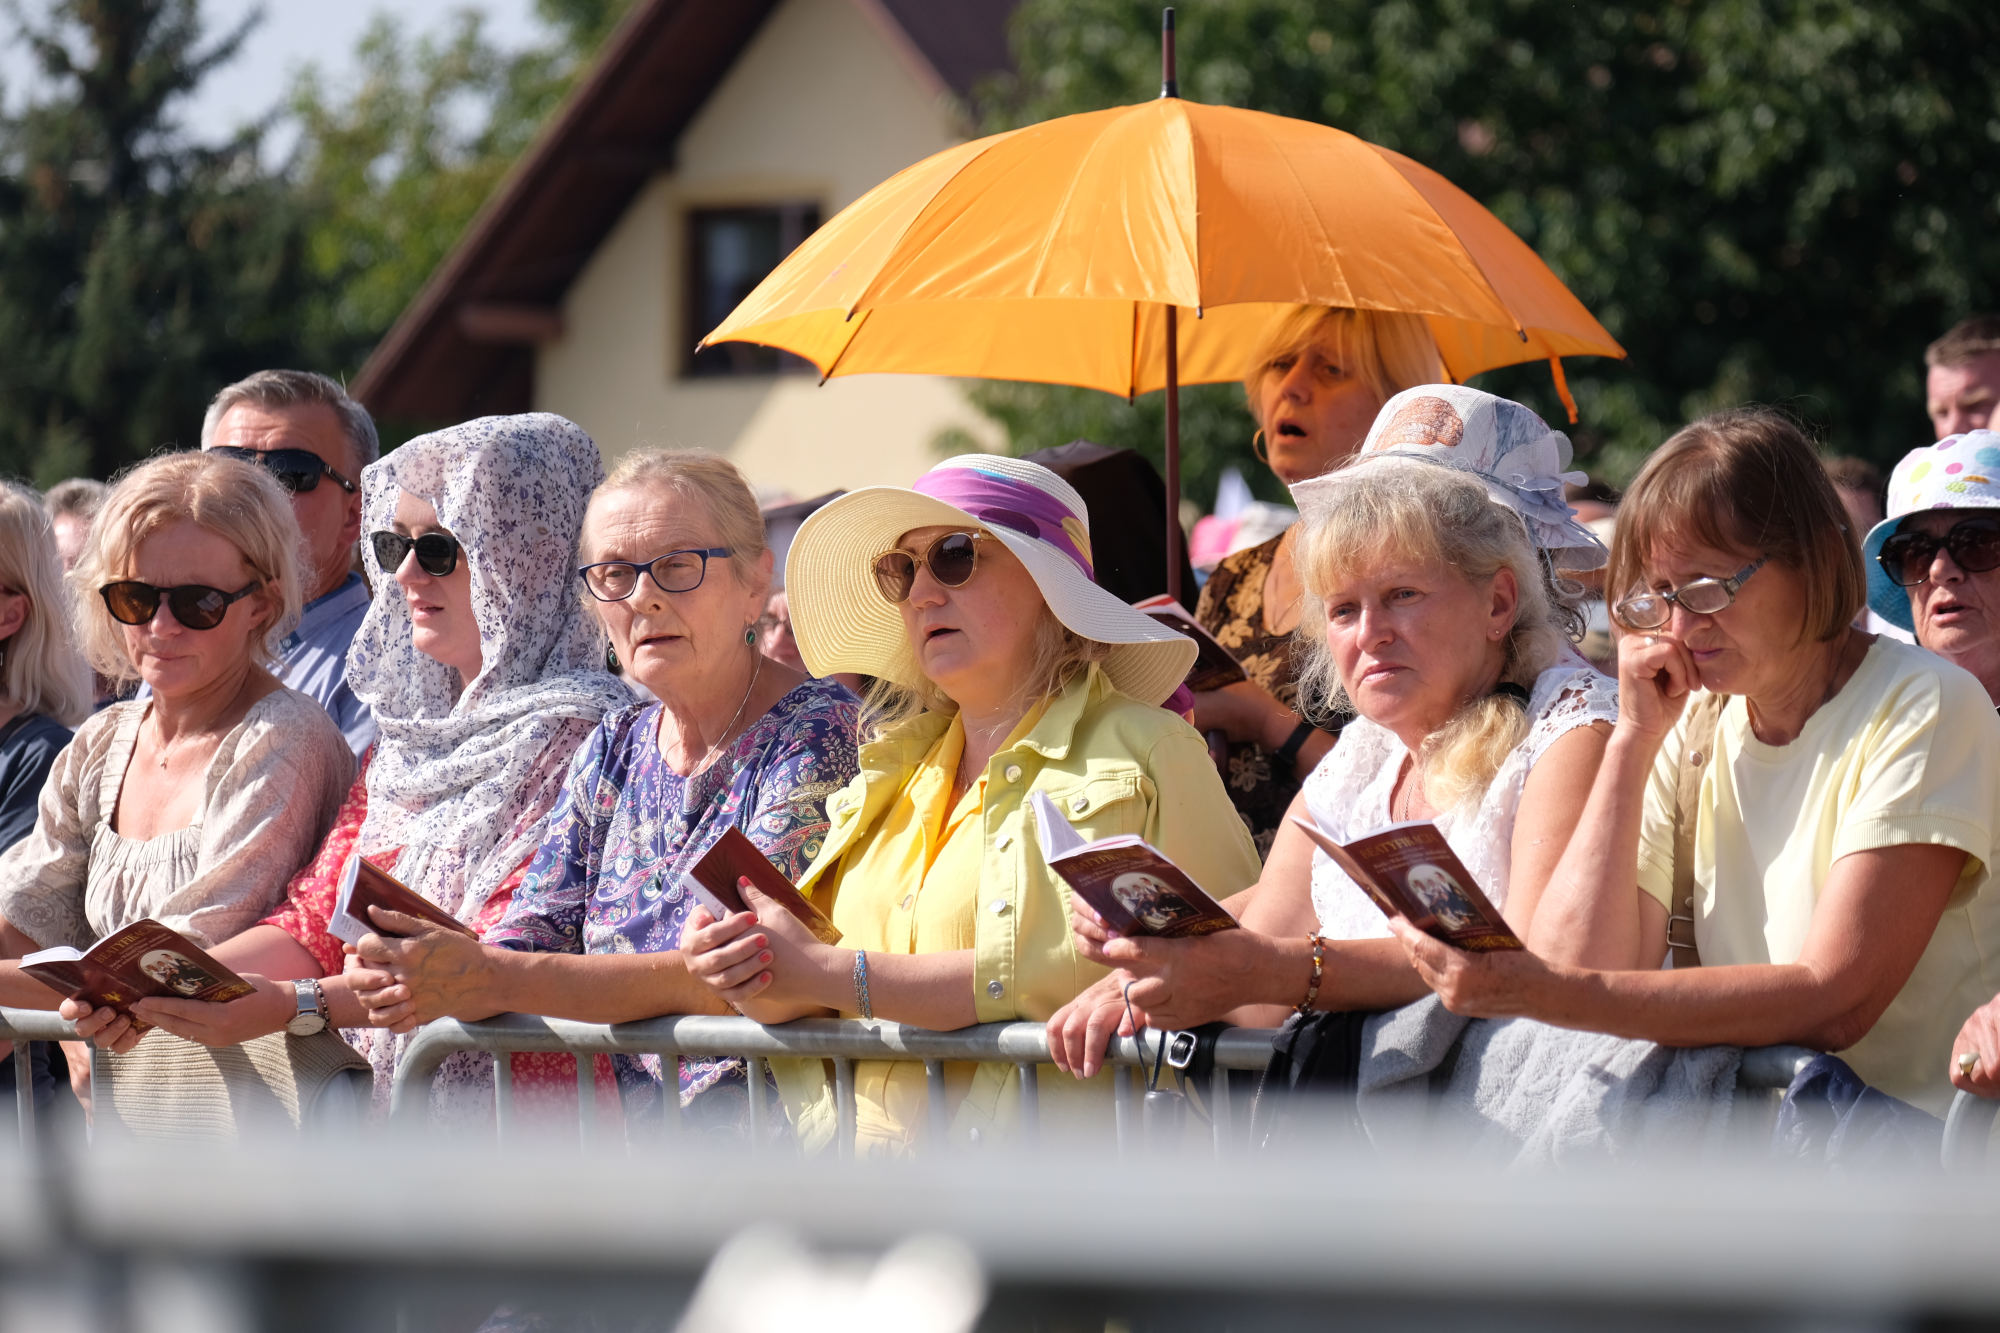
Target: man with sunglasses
{"x":305,"y":430}
{"x":1934,"y":563}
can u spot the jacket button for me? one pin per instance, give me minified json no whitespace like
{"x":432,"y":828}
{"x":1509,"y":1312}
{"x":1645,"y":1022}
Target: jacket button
{"x":995,"y":989}
{"x":999,"y":906}
{"x":1013,"y":773}
{"x":1080,"y":804}
{"x":1000,"y":844}
{"x":908,"y":898}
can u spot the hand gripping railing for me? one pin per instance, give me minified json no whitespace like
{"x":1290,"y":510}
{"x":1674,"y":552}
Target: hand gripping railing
{"x":22,"y":1026}
{"x":1023,"y":1045}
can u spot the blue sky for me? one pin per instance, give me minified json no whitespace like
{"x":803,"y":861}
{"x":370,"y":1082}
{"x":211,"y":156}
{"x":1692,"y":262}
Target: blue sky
{"x":294,"y":33}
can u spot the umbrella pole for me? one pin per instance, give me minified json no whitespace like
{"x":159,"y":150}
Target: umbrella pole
{"x":1173,"y":454}
{"x":1170,"y":87}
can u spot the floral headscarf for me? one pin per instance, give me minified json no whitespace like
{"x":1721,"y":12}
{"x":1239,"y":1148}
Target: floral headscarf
{"x":461,"y":782}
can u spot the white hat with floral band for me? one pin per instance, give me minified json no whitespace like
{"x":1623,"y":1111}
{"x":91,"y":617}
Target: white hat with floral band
{"x":844,"y":623}
{"x":1958,"y":472}
{"x":1511,"y":451}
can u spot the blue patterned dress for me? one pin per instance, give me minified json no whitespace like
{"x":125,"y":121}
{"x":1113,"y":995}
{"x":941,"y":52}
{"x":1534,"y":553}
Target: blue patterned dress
{"x":608,"y":876}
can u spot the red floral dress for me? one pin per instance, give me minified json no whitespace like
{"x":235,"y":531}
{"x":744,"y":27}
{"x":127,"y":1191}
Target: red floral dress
{"x":544,"y":1083}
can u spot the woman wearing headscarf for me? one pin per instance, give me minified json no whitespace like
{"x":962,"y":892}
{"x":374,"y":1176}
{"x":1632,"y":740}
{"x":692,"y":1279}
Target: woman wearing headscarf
{"x":1434,"y":614}
{"x":1313,"y":388}
{"x":484,"y":675}
{"x":1012,"y":674}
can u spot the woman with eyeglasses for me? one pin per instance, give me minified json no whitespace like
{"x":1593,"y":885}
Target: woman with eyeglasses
{"x":1798,"y":815}
{"x":1006,"y":672}
{"x":195,"y":806}
{"x":675,"y":568}
{"x":484,"y":675}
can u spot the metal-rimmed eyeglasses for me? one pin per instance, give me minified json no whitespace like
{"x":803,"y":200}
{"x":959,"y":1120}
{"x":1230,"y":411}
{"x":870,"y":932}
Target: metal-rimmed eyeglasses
{"x":676,"y":571}
{"x":1703,"y":597}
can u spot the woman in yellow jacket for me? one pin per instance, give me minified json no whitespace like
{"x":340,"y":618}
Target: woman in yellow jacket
{"x":1005,"y":671}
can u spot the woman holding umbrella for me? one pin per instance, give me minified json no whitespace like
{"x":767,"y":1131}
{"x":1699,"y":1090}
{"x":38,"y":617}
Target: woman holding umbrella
{"x":1314,"y":388}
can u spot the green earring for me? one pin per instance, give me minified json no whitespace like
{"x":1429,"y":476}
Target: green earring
{"x":749,"y":634}
{"x":611,"y":659}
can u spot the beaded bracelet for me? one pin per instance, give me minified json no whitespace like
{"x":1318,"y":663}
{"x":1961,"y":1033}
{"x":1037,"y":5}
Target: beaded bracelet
{"x":1319,"y":970}
{"x":861,"y":984}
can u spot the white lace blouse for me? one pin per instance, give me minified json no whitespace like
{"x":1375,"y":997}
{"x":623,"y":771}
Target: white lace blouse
{"x":1348,"y":794}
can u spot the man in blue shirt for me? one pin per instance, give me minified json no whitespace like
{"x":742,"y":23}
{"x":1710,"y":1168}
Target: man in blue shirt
{"x":315,"y":440}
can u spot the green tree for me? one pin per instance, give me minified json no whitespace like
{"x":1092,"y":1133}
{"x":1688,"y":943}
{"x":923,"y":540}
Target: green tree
{"x":392,"y":168}
{"x":1771,"y":200}
{"x":137,"y":270}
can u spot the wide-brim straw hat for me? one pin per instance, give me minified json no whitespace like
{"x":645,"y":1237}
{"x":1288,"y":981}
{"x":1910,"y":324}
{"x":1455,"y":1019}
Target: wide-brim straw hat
{"x":1958,"y":472}
{"x":844,"y":623}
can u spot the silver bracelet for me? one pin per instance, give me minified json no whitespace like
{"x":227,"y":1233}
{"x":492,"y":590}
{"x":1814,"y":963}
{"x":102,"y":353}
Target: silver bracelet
{"x":861,"y":984}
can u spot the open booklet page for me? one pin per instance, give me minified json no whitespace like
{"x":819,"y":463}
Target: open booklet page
{"x":1214,"y":666}
{"x":712,"y":881}
{"x":363,"y":885}
{"x":1411,"y":871}
{"x":1126,"y":880}
{"x":144,"y":959}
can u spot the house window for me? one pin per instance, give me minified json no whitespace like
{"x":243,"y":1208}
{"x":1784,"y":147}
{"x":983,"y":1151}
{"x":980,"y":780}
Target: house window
{"x":730,"y":250}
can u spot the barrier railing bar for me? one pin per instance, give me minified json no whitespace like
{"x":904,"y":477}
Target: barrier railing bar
{"x":1968,"y":1126}
{"x":503,"y":1094}
{"x":1124,"y":1115}
{"x":846,"y":1120}
{"x":24,"y":1095}
{"x":586,"y":1096}
{"x":754,"y":1073}
{"x":1031,"y":1110}
{"x":934,"y":1084}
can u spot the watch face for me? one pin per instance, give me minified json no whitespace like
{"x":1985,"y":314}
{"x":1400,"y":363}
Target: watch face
{"x":305,"y":1025}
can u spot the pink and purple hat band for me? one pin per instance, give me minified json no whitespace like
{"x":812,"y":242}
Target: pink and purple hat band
{"x":1002,"y":502}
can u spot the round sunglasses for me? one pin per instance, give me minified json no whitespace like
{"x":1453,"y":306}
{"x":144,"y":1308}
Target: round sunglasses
{"x":950,"y":559}
{"x":297,"y":470}
{"x":1974,"y":545}
{"x":437,"y":552}
{"x":195,"y":605}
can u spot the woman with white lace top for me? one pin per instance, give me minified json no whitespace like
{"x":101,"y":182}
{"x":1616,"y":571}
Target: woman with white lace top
{"x":1434,"y":612}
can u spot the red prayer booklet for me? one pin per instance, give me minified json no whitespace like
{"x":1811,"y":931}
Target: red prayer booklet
{"x":363,"y":885}
{"x":1127,"y":881}
{"x":1411,"y":871}
{"x":145,"y":959}
{"x":1214,"y":666}
{"x":712,"y":880}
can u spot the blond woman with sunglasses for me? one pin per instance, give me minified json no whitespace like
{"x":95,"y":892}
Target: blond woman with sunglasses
{"x":194,"y":806}
{"x":1007,"y":671}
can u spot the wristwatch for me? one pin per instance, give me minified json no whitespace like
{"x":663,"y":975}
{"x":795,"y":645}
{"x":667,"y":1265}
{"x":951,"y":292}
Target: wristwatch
{"x":311,"y":1016}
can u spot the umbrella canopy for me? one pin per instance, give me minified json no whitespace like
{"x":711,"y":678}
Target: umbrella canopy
{"x":1054,"y":253}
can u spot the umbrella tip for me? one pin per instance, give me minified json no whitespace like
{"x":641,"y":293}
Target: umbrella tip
{"x":1170,"y":85}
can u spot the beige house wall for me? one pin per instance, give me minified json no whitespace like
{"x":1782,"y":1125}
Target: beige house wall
{"x":822,"y":105}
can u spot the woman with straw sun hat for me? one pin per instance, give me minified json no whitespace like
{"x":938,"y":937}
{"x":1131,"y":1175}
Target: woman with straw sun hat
{"x":1005,"y":671}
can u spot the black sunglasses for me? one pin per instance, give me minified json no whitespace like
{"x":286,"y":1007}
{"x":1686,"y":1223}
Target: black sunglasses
{"x":297,"y":470}
{"x":676,"y":571}
{"x":950,"y":559}
{"x":437,"y":552}
{"x":195,"y":605}
{"x":1974,"y":545}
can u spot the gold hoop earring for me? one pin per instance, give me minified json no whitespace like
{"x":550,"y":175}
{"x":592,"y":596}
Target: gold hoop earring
{"x":1257,"y":447}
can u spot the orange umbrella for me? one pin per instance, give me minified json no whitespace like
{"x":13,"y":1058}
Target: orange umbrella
{"x":1066,"y":252}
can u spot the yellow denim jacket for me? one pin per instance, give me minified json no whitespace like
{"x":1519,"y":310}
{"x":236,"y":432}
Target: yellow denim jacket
{"x":1111,"y":764}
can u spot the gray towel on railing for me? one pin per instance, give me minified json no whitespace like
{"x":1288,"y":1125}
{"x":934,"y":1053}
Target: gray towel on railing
{"x":1539,"y":1094}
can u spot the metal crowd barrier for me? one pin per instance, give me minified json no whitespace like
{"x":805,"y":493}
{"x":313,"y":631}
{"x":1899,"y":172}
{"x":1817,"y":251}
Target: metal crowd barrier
{"x":1767,"y":1069}
{"x":22,"y":1026}
{"x":843,"y":1042}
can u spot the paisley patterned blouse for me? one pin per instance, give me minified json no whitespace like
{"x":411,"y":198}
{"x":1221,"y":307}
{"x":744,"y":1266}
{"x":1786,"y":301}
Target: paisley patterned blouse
{"x":1232,"y":609}
{"x":608,"y":876}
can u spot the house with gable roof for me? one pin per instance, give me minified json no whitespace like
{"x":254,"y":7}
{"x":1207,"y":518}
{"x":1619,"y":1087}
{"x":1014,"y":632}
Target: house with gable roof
{"x":709,"y":138}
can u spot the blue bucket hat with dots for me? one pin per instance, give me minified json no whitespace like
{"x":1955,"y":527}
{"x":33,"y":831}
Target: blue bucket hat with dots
{"x":1958,"y":472}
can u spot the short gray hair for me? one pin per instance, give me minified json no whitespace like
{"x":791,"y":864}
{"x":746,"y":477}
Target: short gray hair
{"x":298,"y":388}
{"x":79,"y":497}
